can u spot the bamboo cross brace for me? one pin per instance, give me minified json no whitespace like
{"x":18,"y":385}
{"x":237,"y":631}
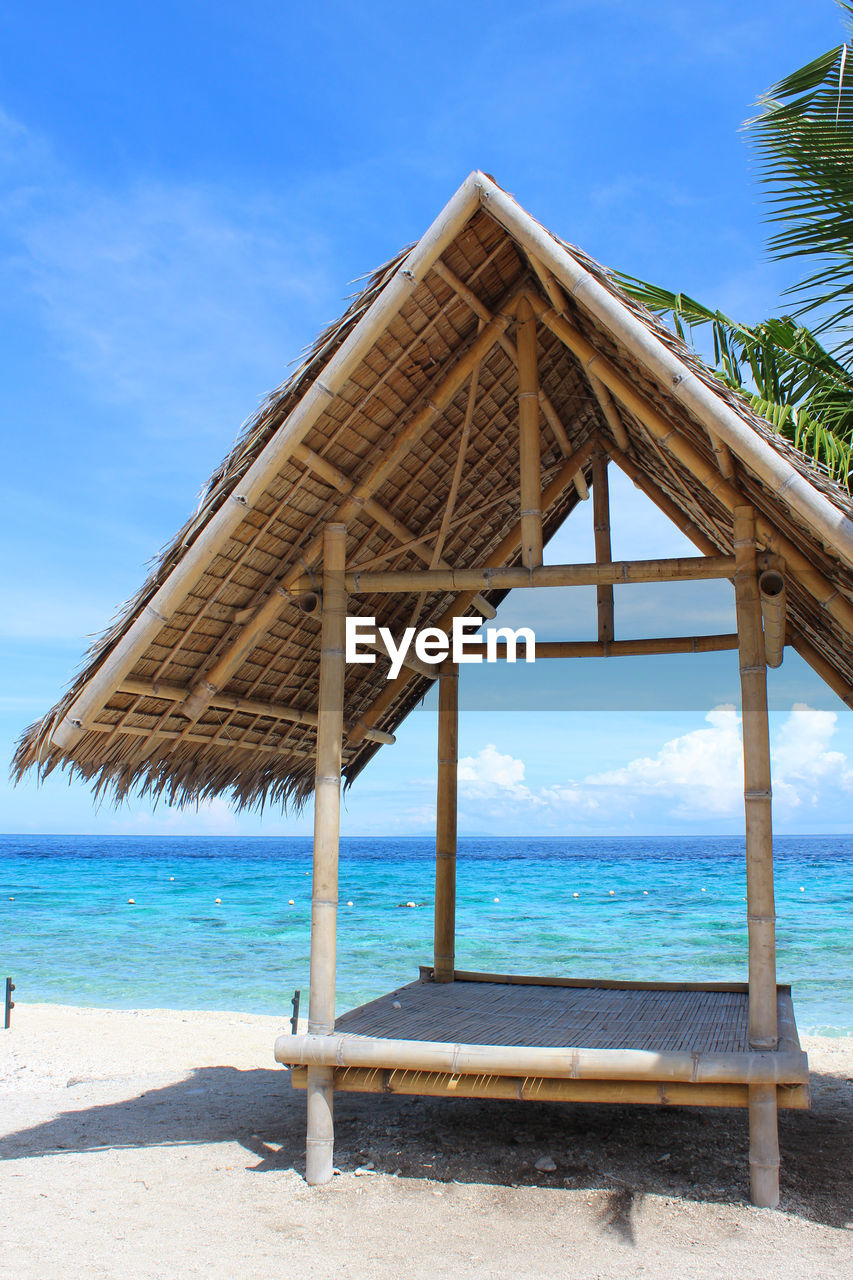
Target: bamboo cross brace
{"x":504,"y":551}
{"x":545,"y":403}
{"x":663,"y":431}
{"x":434,"y":404}
{"x":489,"y":577}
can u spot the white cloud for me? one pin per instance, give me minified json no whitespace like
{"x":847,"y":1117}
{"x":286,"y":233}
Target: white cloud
{"x":695,"y":777}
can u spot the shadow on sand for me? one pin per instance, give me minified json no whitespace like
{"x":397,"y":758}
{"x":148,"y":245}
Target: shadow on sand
{"x":622,"y":1153}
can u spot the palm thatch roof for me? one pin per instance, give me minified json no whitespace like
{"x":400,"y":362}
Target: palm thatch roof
{"x":404,"y":414}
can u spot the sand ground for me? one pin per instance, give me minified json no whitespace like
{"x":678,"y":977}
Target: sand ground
{"x":168,"y":1144}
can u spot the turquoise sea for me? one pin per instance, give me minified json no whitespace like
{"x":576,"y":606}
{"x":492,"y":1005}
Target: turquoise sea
{"x":677,"y":911}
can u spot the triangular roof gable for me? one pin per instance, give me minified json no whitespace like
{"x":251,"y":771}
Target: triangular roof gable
{"x":373,"y":422}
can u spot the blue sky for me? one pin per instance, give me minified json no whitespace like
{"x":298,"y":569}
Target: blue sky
{"x":187,"y":191}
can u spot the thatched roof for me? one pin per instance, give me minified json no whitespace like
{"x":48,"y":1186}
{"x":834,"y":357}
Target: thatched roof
{"x":369,"y":381}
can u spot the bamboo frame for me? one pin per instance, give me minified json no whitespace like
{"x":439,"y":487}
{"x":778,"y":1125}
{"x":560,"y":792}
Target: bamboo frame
{"x":513,"y":1088}
{"x":574,"y":1063}
{"x":675,"y":569}
{"x":763,"y":1028}
{"x":445,"y":834}
{"x":324,"y":894}
{"x":506,"y":548}
{"x":617,"y":648}
{"x":601,"y":529}
{"x":118,"y":664}
{"x":716,"y":415}
{"x":665,"y":433}
{"x":530,"y":486}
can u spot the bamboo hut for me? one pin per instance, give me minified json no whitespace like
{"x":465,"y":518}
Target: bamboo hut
{"x":429,"y":446}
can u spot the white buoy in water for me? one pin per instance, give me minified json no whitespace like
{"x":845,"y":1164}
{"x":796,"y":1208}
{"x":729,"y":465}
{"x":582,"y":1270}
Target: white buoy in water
{"x":218,"y":902}
{"x":575,"y":895}
{"x":645,"y":893}
{"x":131,"y":902}
{"x":290,"y":902}
{"x":410,"y":904}
{"x":171,"y":877}
{"x":613,"y":893}
{"x":802,"y":888}
{"x":496,"y":899}
{"x":349,"y":904}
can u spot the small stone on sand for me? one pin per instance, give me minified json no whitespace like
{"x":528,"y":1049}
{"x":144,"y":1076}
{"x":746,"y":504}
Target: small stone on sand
{"x":545,"y":1165}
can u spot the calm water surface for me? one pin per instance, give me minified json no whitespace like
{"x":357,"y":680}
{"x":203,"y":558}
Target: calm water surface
{"x":677,"y":911}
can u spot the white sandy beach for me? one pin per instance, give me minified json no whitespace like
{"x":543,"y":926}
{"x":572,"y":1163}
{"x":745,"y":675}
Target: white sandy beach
{"x":168,"y":1144}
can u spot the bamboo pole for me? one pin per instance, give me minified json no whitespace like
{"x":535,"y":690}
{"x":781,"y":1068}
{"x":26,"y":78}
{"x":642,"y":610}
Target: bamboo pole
{"x":445,"y":835}
{"x":763,"y":1029}
{"x":818,"y":586}
{"x":442,"y":1084}
{"x":324,"y":894}
{"x":676,"y":569}
{"x":544,"y":1060}
{"x":771,"y":589}
{"x":616,"y":648}
{"x":528,"y":439}
{"x":603,"y":555}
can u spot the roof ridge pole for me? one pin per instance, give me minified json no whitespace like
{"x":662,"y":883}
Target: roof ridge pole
{"x":530,"y":462}
{"x":763,"y":1028}
{"x":327,"y":819}
{"x":603,"y":552}
{"x":444,"y":958}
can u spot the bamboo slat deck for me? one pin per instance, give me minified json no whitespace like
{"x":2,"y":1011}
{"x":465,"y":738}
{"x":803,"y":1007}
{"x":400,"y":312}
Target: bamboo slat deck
{"x":599,"y":1017}
{"x":658,"y":1018}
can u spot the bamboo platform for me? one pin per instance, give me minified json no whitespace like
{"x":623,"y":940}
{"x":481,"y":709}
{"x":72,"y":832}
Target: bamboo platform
{"x":594,"y":1041}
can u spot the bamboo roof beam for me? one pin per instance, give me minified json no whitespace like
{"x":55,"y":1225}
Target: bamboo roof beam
{"x":211,"y":740}
{"x":663,"y":431}
{"x":434,"y":404}
{"x":548,"y":411}
{"x":615,"y":572}
{"x":227,"y":702}
{"x":615,"y":648}
{"x":530,"y":463}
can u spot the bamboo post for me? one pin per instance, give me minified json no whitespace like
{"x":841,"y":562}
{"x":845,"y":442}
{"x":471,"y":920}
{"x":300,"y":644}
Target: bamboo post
{"x":603,"y":553}
{"x":763,"y":1031}
{"x":327,"y":815}
{"x":444,"y":959}
{"x":529,"y":451}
